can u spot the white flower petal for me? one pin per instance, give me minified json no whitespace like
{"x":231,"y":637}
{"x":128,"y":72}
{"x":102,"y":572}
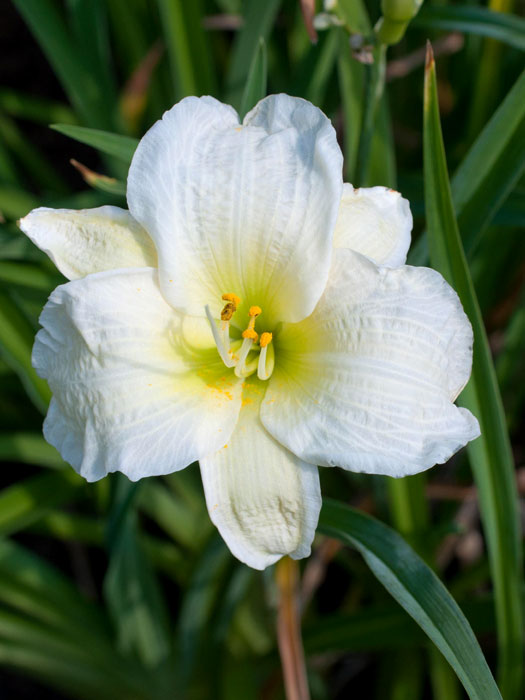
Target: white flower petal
{"x":376,"y":222}
{"x":262,"y":498}
{"x":89,"y":240}
{"x":248,"y":209}
{"x":130,"y":393}
{"x":367,"y":382}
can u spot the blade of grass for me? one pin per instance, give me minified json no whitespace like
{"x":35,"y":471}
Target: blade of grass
{"x":16,"y":341}
{"x":193,"y":637}
{"x":34,"y":109}
{"x":488,"y":173}
{"x":121,"y":147}
{"x":173,"y":515}
{"x":188,"y":50}
{"x":417,"y":589}
{"x":374,"y":87}
{"x":489,"y":77}
{"x":89,"y":27}
{"x":131,"y":588}
{"x":29,"y":448}
{"x":32,"y":586}
{"x":27,"y":501}
{"x":316,"y":69}
{"x":351,"y":81}
{"x":490,"y":455}
{"x":16,"y":202}
{"x":85,"y":670}
{"x":473,"y":20}
{"x":104,"y":183}
{"x":255,"y":88}
{"x":28,"y":275}
{"x":380,"y":627}
{"x":56,"y":41}
{"x":258,"y":21}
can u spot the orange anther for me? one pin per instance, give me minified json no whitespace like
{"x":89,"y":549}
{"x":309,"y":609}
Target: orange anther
{"x":255,"y":311}
{"x":231,"y":297}
{"x":266,"y":339}
{"x":228,"y":311}
{"x":250,"y":333}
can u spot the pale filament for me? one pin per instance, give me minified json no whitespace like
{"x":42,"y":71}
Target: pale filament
{"x":266,"y":357}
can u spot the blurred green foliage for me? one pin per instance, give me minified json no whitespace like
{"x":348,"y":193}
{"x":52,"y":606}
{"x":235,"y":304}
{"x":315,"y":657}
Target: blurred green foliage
{"x":119,"y":590}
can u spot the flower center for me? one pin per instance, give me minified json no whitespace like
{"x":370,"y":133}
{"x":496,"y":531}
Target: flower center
{"x":236,"y":354}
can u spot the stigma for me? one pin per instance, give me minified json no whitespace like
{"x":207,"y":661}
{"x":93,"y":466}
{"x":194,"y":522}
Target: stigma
{"x":249,"y":355}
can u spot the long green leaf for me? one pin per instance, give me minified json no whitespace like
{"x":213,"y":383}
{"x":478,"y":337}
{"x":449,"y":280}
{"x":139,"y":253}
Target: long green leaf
{"x":169,"y":511}
{"x":193,"y":633}
{"x":28,"y":155}
{"x":122,"y":147}
{"x":490,"y":455}
{"x":35,"y":109}
{"x":258,"y":22}
{"x":473,"y":20}
{"x":32,"y":586}
{"x":16,"y":340}
{"x":28,"y":275}
{"x":417,"y":589}
{"x":188,"y":50}
{"x":80,"y":84}
{"x":351,"y":81}
{"x":89,"y":28}
{"x":27,"y":501}
{"x":488,"y":172}
{"x":131,"y":589}
{"x":492,"y":167}
{"x":255,"y":88}
{"x":30,"y":448}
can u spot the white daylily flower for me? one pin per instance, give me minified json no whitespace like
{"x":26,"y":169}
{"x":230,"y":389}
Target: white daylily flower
{"x":278,"y":330}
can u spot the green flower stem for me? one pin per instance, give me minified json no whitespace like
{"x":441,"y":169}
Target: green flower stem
{"x":397,"y":15}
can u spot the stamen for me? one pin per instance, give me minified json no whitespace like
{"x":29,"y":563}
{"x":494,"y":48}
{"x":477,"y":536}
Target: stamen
{"x":266,"y":339}
{"x":230,"y":307}
{"x":231,"y":297}
{"x":243,"y":354}
{"x":219,"y":342}
{"x":228,"y":311}
{"x":266,"y":357}
{"x":250,"y":333}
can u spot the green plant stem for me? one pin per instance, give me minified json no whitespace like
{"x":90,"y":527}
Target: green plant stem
{"x":289,"y":631}
{"x":374,"y":88}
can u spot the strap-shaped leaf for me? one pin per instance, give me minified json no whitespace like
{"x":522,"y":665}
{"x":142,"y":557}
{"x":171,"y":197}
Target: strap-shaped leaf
{"x":121,"y":147}
{"x":487,"y":174}
{"x":474,"y":20}
{"x":16,"y":340}
{"x":417,"y":589}
{"x":258,"y":21}
{"x":255,"y":88}
{"x":490,"y":455}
